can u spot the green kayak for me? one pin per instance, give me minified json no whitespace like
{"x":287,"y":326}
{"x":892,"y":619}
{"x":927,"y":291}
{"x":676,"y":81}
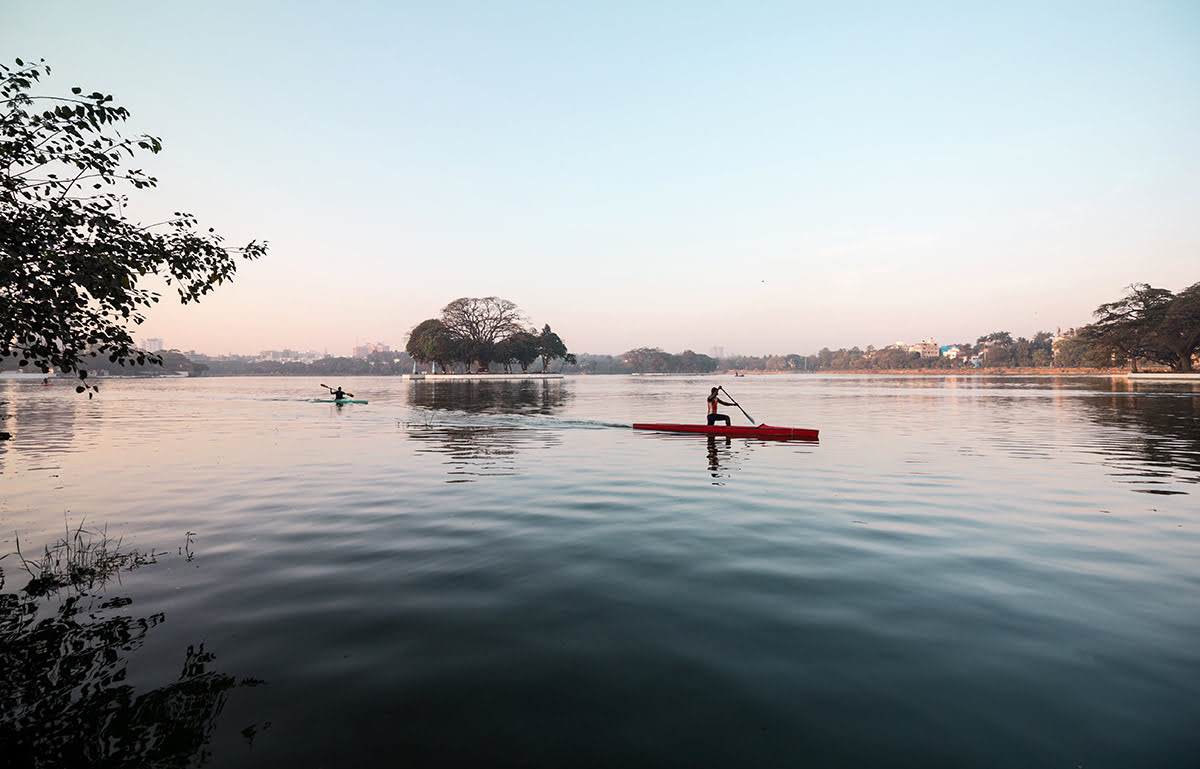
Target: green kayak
{"x":338,"y":401}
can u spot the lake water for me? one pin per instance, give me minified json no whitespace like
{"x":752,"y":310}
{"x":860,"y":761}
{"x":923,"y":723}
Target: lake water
{"x":972,"y":571}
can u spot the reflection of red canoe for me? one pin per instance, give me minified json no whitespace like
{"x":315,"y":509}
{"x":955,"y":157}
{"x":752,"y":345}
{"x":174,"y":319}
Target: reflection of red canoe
{"x":760,"y":431}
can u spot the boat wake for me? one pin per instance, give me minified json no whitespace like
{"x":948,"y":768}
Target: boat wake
{"x":511,"y":422}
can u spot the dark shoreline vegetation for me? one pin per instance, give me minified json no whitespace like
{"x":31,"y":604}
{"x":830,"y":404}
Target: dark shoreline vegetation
{"x":65,"y":644}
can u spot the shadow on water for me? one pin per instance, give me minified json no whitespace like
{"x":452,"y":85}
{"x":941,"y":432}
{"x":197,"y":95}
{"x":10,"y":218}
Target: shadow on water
{"x":1160,"y":430}
{"x":64,"y":700}
{"x":520,"y":396}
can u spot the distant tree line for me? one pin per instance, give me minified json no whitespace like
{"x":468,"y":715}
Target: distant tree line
{"x":376,"y":364}
{"x":164,"y":363}
{"x":480,"y":332}
{"x":645,"y":360}
{"x":997,"y":349}
{"x":1149,"y":326}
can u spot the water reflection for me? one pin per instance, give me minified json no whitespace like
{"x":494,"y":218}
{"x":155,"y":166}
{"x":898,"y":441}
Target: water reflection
{"x":717,"y":453}
{"x":476,"y":450}
{"x":495,"y":427}
{"x":1159,"y":429}
{"x":65,"y":702}
{"x":521,"y":396}
{"x":42,"y":421}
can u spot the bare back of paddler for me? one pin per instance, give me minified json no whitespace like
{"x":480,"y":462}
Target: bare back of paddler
{"x":713,"y":401}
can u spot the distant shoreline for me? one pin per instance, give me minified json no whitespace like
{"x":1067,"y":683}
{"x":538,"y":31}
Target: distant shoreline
{"x":1005,"y":371}
{"x":497,"y":376}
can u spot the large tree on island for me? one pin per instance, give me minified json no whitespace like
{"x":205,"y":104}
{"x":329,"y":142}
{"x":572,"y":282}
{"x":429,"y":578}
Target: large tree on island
{"x":480,"y":323}
{"x":550,"y":346}
{"x":522,"y":347}
{"x":431,"y":342}
{"x":72,"y":262}
{"x":1178,"y":332}
{"x":1125,"y":329}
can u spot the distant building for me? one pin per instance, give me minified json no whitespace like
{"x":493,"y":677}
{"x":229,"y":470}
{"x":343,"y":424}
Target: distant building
{"x":927,"y":349}
{"x":367,"y":350}
{"x":154,"y":344}
{"x":1060,"y":335}
{"x":716,"y":352}
{"x":288,"y":356}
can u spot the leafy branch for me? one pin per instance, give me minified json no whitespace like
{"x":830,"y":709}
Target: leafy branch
{"x":75,"y":260}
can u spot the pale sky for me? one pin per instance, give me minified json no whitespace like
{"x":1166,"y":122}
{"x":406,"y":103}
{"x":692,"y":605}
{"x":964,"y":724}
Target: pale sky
{"x":770,"y":177}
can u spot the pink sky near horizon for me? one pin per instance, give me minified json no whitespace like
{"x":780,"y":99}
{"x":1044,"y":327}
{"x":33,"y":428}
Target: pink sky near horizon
{"x":770,"y":178}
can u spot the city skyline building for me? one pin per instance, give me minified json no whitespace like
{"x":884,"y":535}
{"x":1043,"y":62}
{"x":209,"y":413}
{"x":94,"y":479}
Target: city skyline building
{"x":368,"y":349}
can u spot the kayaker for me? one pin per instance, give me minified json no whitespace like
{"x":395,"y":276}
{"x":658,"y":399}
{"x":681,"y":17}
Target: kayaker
{"x":713,"y":400}
{"x":337,"y":394}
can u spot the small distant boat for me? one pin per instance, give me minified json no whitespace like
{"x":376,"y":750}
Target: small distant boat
{"x":338,"y":401}
{"x":738,"y":431}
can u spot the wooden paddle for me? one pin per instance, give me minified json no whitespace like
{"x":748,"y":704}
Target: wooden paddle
{"x":739,"y":406}
{"x":330,"y":389}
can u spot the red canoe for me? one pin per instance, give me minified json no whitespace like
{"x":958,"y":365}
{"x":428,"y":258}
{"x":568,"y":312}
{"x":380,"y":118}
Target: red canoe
{"x":748,"y":431}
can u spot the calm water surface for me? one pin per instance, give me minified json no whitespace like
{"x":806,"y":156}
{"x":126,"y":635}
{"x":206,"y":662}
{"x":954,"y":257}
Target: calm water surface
{"x":964,"y":571}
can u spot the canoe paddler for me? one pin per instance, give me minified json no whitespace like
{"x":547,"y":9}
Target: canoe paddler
{"x":337,"y":394}
{"x":713,"y":400}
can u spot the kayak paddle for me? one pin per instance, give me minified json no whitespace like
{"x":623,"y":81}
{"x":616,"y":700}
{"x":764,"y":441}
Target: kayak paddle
{"x":738,"y":405}
{"x":330,"y":389}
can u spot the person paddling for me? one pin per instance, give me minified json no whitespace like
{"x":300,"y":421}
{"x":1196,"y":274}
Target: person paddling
{"x":713,"y":400}
{"x":338,"y":394}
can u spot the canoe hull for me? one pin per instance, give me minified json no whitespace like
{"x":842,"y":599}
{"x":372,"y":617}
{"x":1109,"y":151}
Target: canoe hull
{"x":739,"y":431}
{"x":338,"y":401}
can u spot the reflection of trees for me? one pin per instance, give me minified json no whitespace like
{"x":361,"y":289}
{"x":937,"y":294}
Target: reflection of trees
{"x":1166,"y":427}
{"x":51,"y":418}
{"x":480,"y":450}
{"x":510,"y":396}
{"x":486,"y":446}
{"x":64,"y":702}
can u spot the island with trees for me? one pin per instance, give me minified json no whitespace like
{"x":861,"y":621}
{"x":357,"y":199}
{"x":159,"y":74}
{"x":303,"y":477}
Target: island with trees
{"x":473,"y":333}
